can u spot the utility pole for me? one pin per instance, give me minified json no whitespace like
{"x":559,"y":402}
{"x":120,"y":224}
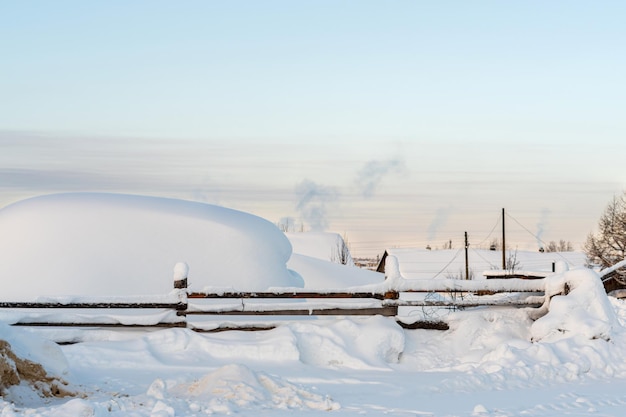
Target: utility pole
{"x":466,"y":258}
{"x":503,"y":244}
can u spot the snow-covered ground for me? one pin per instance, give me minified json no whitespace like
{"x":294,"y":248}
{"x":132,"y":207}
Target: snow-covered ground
{"x":491,"y":362}
{"x":485,"y":365}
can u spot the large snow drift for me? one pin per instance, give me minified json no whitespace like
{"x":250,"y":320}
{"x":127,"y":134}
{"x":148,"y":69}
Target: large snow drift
{"x":111,"y":244}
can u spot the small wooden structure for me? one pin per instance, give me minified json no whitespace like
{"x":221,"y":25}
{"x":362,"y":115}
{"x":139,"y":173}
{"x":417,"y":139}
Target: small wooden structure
{"x":382,"y":262}
{"x":609,"y":278}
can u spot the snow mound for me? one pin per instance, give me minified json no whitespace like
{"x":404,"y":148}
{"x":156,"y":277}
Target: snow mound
{"x":234,"y":387}
{"x":184,"y":347}
{"x":487,"y":348}
{"x":585,"y":311}
{"x":176,"y":346}
{"x":371,"y":343}
{"x":368,"y":343}
{"x":111,"y":244}
{"x":30,"y":367}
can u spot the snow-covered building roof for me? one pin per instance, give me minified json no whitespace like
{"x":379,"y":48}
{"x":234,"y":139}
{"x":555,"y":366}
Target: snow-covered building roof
{"x":450,"y":263}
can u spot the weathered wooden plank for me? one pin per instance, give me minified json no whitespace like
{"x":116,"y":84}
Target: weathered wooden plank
{"x":455,"y":285}
{"x":426,"y":325}
{"x":288,"y":294}
{"x":234,"y":327}
{"x":387,"y":311}
{"x":89,"y":305}
{"x":96,"y":324}
{"x":533,"y":302}
{"x":414,"y":286}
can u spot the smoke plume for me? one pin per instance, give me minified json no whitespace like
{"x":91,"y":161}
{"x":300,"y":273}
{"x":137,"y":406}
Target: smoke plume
{"x":373,"y":172}
{"x":541,"y":226}
{"x":441,"y":218}
{"x":313,"y":201}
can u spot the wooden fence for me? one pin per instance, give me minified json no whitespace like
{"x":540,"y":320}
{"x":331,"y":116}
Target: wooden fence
{"x":182,"y":308}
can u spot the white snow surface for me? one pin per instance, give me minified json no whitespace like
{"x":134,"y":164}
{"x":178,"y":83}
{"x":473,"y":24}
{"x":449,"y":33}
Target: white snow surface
{"x":491,"y":362}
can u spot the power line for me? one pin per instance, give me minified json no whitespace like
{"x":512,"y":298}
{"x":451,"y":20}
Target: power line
{"x":535,"y":236}
{"x":484,"y":259}
{"x":492,"y":230}
{"x":448,"y":264}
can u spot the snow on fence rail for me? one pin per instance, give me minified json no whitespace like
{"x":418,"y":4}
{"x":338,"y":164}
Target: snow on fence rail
{"x":172,"y":310}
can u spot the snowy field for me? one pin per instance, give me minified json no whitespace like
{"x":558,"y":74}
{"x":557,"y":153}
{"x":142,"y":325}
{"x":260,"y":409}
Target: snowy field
{"x":491,"y":362}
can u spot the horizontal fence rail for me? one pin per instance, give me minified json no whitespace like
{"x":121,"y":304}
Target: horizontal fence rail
{"x":295,"y":294}
{"x":89,"y":305}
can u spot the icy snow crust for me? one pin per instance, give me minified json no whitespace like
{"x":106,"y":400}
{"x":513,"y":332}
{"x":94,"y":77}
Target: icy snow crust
{"x":110,"y":244}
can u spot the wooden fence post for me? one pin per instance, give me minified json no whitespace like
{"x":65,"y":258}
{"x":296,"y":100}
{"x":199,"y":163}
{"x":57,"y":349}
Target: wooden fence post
{"x":181,"y":270}
{"x":392,"y":295}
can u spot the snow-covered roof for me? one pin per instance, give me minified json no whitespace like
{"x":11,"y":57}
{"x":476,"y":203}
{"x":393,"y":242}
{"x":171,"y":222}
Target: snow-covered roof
{"x":425,"y":264}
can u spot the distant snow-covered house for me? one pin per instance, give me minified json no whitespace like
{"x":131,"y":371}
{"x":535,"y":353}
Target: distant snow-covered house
{"x":417,"y":263}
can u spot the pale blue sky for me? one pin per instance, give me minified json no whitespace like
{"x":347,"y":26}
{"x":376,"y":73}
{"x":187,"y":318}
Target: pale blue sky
{"x":397,"y":122}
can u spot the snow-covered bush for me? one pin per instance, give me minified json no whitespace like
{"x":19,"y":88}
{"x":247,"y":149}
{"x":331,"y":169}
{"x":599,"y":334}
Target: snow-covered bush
{"x":585,"y":310}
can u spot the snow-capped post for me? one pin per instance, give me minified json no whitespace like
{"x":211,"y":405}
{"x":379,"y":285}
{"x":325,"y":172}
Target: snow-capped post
{"x":181,"y":270}
{"x":392,"y":275}
{"x":392,"y":269}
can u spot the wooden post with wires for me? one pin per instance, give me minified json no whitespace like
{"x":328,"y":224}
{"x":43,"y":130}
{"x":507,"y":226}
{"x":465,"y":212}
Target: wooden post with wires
{"x":466,"y":258}
{"x":503,"y":243}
